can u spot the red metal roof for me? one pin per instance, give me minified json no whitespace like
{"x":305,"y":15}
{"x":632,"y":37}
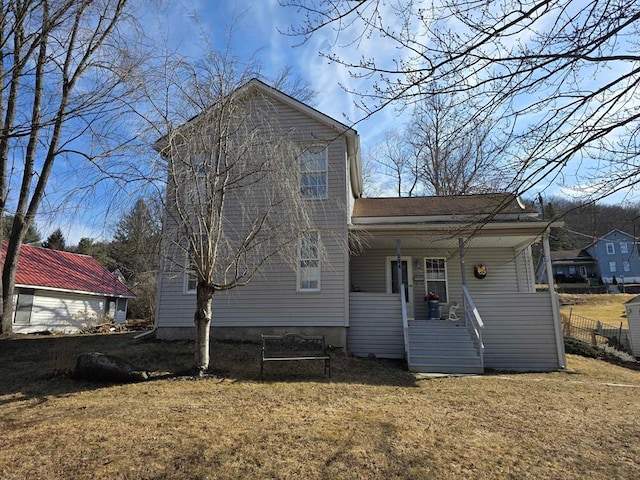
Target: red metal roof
{"x":46,"y":268}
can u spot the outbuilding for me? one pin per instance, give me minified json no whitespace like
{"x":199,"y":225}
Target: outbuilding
{"x":64,"y":292}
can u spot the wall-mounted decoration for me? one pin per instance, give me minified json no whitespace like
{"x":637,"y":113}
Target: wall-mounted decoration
{"x":479,"y":271}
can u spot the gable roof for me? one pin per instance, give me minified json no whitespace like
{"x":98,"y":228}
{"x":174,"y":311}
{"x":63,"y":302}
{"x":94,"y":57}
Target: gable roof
{"x":504,"y":205}
{"x":604,"y":238}
{"x":350,"y":134}
{"x":48,"y":269}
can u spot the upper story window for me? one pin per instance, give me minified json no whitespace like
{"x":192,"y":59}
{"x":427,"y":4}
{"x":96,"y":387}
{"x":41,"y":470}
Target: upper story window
{"x":611,"y":249}
{"x":624,"y":248}
{"x":313,"y":168}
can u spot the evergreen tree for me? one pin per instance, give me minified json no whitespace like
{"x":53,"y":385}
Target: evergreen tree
{"x":55,"y":241}
{"x":97,"y":250}
{"x":135,"y":249}
{"x":32,"y":236}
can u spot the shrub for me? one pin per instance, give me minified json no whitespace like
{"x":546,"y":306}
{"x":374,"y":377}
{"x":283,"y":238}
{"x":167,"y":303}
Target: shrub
{"x":577,"y":347}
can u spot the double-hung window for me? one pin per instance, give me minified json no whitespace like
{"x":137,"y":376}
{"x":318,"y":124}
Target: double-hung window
{"x":624,"y":248}
{"x":435,"y":270}
{"x":626,"y":266}
{"x":309,"y":263}
{"x":313,"y":170}
{"x":611,"y":249}
{"x":190,"y":278}
{"x":612,"y":267}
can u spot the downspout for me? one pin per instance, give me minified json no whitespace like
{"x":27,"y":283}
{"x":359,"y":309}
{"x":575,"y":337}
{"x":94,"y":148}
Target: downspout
{"x":555,"y":304}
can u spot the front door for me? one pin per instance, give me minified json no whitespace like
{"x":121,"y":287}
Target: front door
{"x":407,"y":279}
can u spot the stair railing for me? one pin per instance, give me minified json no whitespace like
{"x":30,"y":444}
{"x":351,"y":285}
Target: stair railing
{"x":473,"y":321}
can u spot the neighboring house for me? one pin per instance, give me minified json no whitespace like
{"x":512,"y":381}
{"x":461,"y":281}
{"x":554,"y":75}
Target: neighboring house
{"x":613,"y":255}
{"x":473,"y":251}
{"x":64,"y":292}
{"x":616,"y":255}
{"x":568,"y":266}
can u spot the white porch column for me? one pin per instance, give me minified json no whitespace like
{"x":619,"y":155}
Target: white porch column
{"x":555,"y":304}
{"x":463,"y":269}
{"x":399,"y":265}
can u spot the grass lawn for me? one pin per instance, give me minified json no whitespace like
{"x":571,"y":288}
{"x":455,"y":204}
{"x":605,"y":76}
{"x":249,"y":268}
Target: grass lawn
{"x":373,"y":420}
{"x":604,"y":307}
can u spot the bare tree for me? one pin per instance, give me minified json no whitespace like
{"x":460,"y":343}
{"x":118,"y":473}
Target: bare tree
{"x":396,"y":159}
{"x":64,"y":68}
{"x":455,"y":153}
{"x":233,"y":198}
{"x":562,"y":75}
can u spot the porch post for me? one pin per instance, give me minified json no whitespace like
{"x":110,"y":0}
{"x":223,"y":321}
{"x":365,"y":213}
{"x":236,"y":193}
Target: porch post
{"x":555,"y":304}
{"x":463,"y":269}
{"x":399,"y":265}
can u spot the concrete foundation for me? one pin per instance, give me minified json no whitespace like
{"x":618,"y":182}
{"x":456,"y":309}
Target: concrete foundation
{"x":335,"y":336}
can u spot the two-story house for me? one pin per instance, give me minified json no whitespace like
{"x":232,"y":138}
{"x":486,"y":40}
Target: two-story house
{"x":384,"y":256}
{"x":612,"y":255}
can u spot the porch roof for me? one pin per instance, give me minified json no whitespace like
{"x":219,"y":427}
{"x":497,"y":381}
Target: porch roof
{"x":483,"y":221}
{"x":456,"y":208}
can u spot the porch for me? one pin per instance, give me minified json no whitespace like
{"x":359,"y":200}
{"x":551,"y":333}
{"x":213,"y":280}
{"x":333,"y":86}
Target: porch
{"x":514,"y":331}
{"x":502,"y":322}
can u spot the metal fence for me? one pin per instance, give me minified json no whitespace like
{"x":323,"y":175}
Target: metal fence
{"x":595,"y":332}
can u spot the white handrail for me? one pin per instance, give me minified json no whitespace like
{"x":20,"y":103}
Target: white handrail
{"x":405,"y":321}
{"x":473,"y":321}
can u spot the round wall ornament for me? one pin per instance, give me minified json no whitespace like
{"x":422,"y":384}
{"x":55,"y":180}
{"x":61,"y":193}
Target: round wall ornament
{"x":479,"y":271}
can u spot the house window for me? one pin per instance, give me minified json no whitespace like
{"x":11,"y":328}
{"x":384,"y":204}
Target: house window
{"x":435,"y":275}
{"x":313,"y":168}
{"x":309,"y":263}
{"x":626,"y":266}
{"x":612,"y":266}
{"x":190,"y":279}
{"x":611,"y":249}
{"x":624,"y":248}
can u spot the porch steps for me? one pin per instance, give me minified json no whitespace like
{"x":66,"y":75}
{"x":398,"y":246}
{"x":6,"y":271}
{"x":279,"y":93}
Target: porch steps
{"x":437,"y":346}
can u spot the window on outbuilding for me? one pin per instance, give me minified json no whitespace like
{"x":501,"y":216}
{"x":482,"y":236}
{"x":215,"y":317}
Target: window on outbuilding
{"x":612,"y":266}
{"x":624,"y":248}
{"x":611,"y":249}
{"x":626,"y":266}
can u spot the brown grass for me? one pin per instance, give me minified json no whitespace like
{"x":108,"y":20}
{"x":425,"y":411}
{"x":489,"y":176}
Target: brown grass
{"x":373,"y":420}
{"x":606,"y":308}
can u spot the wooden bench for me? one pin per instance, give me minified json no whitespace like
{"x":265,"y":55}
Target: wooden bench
{"x":294,"y":346}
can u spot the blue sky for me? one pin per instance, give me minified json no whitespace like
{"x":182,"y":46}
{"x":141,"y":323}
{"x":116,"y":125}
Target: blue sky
{"x":256,"y":25}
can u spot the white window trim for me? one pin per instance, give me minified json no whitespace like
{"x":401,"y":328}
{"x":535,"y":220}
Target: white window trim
{"x":624,"y":248}
{"x":187,"y":273}
{"x":446,"y":276}
{"x":611,"y":249}
{"x":613,"y":268}
{"x":325,"y":171}
{"x":626,"y":266}
{"x":298,"y":269}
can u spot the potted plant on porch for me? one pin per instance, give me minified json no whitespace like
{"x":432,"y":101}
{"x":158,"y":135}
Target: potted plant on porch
{"x":433,"y":304}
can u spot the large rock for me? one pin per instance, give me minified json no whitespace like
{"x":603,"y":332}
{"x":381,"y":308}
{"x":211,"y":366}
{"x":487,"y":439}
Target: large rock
{"x":107,"y":368}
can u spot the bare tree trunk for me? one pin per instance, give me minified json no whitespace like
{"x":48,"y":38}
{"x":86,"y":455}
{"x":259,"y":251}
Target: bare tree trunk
{"x":203,"y":315}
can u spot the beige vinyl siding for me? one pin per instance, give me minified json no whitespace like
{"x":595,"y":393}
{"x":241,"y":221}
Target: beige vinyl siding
{"x":271,"y":298}
{"x":375,"y":326}
{"x":519,"y":332}
{"x":62,"y":312}
{"x":505,"y":273}
{"x":633,"y":317}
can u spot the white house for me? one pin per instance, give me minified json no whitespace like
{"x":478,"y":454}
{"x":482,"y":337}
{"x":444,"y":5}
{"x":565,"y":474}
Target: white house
{"x":64,"y":292}
{"x":473,"y":251}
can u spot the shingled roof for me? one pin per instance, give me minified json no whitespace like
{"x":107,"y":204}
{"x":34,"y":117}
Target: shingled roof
{"x":453,"y":205}
{"x":52,"y":269}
